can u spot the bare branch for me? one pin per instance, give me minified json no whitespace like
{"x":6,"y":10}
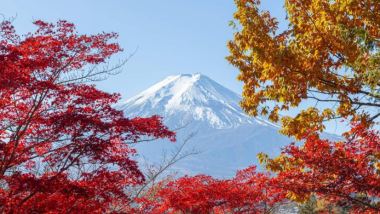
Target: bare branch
{"x":153,"y":173}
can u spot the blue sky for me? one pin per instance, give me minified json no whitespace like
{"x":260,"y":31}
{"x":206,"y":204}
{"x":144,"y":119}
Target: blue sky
{"x":171,"y":36}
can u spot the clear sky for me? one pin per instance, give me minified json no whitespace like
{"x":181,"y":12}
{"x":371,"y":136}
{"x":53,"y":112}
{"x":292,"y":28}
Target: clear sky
{"x":171,"y":36}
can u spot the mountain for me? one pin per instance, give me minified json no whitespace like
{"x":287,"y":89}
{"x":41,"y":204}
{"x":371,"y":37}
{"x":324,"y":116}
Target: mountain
{"x":191,"y":97}
{"x":226,"y":138}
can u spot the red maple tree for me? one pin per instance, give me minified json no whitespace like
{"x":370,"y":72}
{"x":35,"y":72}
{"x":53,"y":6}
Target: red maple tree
{"x":345,"y":173}
{"x":63,"y":146}
{"x":248,"y":192}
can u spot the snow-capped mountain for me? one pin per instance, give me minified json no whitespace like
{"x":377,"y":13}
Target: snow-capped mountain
{"x":225,"y":136}
{"x":192,"y":97}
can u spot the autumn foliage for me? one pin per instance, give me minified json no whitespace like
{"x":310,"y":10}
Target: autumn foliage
{"x":248,"y":192}
{"x":346,"y":173}
{"x":329,"y":53}
{"x":342,"y":174}
{"x":63,"y":147}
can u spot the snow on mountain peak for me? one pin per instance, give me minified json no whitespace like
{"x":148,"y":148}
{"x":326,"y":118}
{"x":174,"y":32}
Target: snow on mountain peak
{"x":188,"y":98}
{"x":210,"y":115}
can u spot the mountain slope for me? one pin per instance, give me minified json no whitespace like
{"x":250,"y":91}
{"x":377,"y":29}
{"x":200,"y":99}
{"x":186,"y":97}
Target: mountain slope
{"x":225,"y":136}
{"x":194,"y":97}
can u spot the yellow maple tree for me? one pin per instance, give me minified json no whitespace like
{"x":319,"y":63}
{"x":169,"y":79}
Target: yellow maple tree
{"x":329,"y":53}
